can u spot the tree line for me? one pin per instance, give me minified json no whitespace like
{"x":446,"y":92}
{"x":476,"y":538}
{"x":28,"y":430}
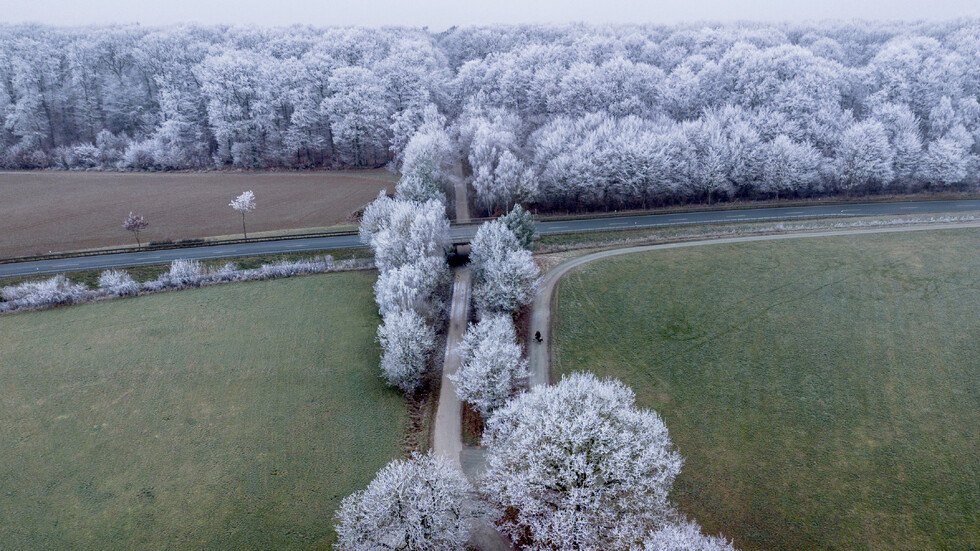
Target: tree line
{"x":190,"y":97}
{"x":558,"y":117}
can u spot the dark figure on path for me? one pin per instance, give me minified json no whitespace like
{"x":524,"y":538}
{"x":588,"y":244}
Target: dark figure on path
{"x":537,"y":336}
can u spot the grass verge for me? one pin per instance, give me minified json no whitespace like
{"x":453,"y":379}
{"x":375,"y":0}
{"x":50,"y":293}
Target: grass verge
{"x":545,"y":244}
{"x":825,"y":392}
{"x":227,"y":417}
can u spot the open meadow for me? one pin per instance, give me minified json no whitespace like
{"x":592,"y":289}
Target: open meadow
{"x":230,"y":417}
{"x":824,"y":392}
{"x":60,"y":211}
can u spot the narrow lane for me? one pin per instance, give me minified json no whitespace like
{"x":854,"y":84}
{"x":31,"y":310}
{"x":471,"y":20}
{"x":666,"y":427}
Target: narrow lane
{"x":448,"y":428}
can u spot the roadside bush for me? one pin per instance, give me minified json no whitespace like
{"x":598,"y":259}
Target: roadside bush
{"x":48,"y":292}
{"x":83,"y":156}
{"x":139,"y":156}
{"x":118,"y":283}
{"x":58,"y":290}
{"x":183,"y":273}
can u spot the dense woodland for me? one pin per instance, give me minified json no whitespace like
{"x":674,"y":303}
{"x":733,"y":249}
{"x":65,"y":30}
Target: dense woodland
{"x":563,"y":117}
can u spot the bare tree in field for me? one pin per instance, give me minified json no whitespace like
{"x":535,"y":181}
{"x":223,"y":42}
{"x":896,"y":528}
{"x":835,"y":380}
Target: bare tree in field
{"x":135,"y":223}
{"x":244,"y":203}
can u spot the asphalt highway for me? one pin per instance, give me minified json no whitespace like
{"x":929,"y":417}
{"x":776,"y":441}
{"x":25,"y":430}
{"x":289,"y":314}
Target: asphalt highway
{"x":462,"y":234}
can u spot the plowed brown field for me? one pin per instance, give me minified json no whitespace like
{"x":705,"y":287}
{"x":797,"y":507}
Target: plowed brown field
{"x":60,"y":211}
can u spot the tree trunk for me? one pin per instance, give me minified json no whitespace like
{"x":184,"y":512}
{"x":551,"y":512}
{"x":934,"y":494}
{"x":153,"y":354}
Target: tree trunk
{"x":243,"y":226}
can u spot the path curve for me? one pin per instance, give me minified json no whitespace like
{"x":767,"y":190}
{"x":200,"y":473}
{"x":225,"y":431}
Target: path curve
{"x":539,"y":357}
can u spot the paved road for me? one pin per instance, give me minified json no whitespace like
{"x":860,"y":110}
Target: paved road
{"x":464,"y":233}
{"x":539,"y":356}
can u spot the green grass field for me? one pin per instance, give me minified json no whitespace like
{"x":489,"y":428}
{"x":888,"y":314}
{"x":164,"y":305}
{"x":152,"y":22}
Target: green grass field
{"x":232,"y":417}
{"x":824,"y":392}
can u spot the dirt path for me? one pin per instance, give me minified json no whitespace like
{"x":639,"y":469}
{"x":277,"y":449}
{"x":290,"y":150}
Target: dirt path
{"x":539,"y":357}
{"x":459,"y":197}
{"x":447,"y":433}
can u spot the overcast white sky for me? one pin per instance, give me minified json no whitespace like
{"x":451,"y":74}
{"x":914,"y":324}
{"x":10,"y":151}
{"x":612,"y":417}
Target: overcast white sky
{"x":440,"y":14}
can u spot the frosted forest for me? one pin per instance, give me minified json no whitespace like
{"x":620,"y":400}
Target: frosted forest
{"x":558,"y":117}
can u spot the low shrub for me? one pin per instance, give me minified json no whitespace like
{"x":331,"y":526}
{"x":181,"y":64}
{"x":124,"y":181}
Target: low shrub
{"x":118,"y":283}
{"x":58,"y":290}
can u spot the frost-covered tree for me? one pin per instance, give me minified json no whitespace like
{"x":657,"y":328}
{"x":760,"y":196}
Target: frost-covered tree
{"x":237,"y":86}
{"x":418,"y":504}
{"x":376,"y":216}
{"x":426,"y":165}
{"x":407,"y":342}
{"x":505,"y":275}
{"x":135,"y":223}
{"x":942,"y":119}
{"x":944,"y":163}
{"x":491,"y":368}
{"x":492,"y":239}
{"x":358,"y":115}
{"x":865,"y":156}
{"x":521,"y":223}
{"x":684,"y":536}
{"x":578,"y":466}
{"x":512,"y":183}
{"x":418,"y":186}
{"x":570,"y":118}
{"x":507,"y":282}
{"x":787,"y":167}
{"x":402,"y":232}
{"x":244,"y":203}
{"x":409,"y":240}
{"x":415,"y":286}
